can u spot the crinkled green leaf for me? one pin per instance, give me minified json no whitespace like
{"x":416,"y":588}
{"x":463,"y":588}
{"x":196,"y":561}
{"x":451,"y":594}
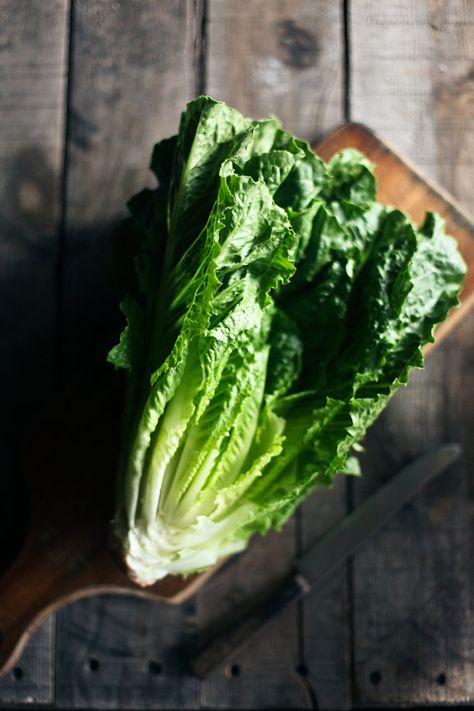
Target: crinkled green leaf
{"x":273,"y":307}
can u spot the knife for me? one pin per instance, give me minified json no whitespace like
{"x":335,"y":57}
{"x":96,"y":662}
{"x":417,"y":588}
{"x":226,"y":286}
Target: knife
{"x":325,"y":554}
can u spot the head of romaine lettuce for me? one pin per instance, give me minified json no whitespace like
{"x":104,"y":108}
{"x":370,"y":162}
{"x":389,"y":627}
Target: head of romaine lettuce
{"x":273,"y":307}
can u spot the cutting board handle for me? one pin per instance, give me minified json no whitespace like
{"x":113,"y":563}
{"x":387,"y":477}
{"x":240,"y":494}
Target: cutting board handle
{"x":28,"y":592}
{"x":56,"y":566}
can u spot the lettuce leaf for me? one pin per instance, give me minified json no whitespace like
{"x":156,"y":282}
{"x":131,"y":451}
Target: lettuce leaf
{"x":273,"y":307}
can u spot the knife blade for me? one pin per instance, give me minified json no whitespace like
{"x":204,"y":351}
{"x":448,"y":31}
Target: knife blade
{"x":325,"y":554}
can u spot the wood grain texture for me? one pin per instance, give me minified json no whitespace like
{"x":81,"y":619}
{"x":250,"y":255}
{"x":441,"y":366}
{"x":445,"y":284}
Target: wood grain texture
{"x":132,"y":72}
{"x":32,"y":63}
{"x":66,"y":555}
{"x":126,"y":653}
{"x":323,"y":615}
{"x":412,"y":81}
{"x":283,"y":57}
{"x":134,"y":67}
{"x":263,"y":673}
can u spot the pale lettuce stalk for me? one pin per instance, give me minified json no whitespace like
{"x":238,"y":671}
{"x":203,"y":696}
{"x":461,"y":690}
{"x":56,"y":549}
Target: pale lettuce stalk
{"x":273,"y":307}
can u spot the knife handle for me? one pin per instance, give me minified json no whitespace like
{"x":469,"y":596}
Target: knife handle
{"x":229,"y":640}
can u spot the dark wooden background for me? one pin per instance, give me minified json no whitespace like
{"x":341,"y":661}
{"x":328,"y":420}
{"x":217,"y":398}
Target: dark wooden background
{"x":86,"y":88}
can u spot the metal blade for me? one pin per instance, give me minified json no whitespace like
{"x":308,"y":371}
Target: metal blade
{"x":354,"y":529}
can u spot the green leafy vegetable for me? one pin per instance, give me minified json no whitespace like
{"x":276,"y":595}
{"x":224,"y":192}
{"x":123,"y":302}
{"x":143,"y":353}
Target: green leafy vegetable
{"x":273,"y":307}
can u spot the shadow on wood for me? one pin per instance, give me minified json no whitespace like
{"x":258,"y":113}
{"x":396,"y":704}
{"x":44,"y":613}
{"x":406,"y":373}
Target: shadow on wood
{"x":70,"y":463}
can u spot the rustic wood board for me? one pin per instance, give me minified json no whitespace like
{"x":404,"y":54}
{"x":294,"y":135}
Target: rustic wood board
{"x":411,"y":81}
{"x":134,"y":65}
{"x":92,"y":570}
{"x":282,"y":57}
{"x":120,"y":150}
{"x":350,"y":135}
{"x":33,"y":43}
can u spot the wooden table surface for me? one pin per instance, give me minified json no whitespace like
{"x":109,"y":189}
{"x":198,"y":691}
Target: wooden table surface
{"x":86,"y":88}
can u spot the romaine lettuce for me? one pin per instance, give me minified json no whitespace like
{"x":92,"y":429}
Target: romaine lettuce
{"x":273,"y":307}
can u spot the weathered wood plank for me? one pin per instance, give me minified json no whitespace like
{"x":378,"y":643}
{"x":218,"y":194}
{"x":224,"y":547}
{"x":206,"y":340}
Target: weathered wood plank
{"x":412,"y":81}
{"x":413,"y":626}
{"x":33,"y":39}
{"x":132,"y":73}
{"x":32,"y":679}
{"x":284,"y":58}
{"x":263,"y":673}
{"x":324,"y":622}
{"x":122,"y":652}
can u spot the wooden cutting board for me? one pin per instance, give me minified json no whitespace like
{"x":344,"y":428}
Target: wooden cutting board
{"x":72,"y":461}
